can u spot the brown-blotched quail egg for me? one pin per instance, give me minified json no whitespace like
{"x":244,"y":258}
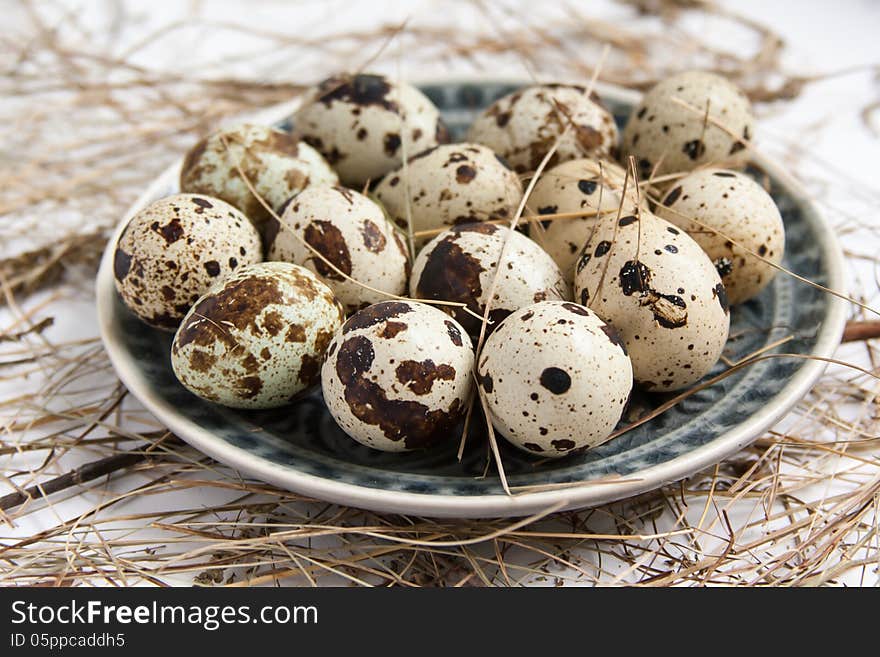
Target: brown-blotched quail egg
{"x":360,"y":123}
{"x":460,"y":264}
{"x":523,"y":126}
{"x":660,"y":290}
{"x":573,"y":186}
{"x":276,"y":163}
{"x":398,"y":376}
{"x":175,"y":249}
{"x":664,"y":134}
{"x":448,"y":185}
{"x":556,"y":378}
{"x":256,"y":339}
{"x":742,"y":211}
{"x":351,"y":231}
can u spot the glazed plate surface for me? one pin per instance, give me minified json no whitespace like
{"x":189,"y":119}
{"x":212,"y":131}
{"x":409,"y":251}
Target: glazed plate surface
{"x":300,"y":448}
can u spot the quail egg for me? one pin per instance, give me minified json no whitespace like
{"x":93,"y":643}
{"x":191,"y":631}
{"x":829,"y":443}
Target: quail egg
{"x":276,"y":163}
{"x":461,"y":263}
{"x":450,"y":184}
{"x":176,"y":248}
{"x":555,"y":377}
{"x":581,"y":185}
{"x":739,"y":208}
{"x":655,"y":284}
{"x":523,"y":126}
{"x":256,"y":339}
{"x":398,"y":376}
{"x":350,"y":231}
{"x":361,"y":124}
{"x":664,"y":134}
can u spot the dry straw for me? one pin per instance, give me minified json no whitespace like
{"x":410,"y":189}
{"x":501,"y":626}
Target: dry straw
{"x":119,"y":500}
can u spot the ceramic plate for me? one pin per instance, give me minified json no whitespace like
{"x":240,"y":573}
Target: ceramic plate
{"x":299,"y":447}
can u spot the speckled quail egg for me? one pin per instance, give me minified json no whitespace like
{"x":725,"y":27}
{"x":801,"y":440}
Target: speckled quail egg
{"x":398,"y":376}
{"x":615,"y":177}
{"x":364,"y":123}
{"x":276,"y":163}
{"x":573,"y":186}
{"x":523,"y":126}
{"x":460,"y":264}
{"x":655,"y":284}
{"x":256,"y":339}
{"x":175,"y":249}
{"x":664,"y":134}
{"x":350,"y":231}
{"x":743,"y":212}
{"x":448,"y":185}
{"x":556,"y":378}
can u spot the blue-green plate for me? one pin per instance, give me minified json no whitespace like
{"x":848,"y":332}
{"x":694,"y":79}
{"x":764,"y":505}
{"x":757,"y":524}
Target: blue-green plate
{"x":299,"y":447}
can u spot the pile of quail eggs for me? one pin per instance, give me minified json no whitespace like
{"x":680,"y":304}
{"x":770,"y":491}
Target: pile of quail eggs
{"x":361,"y":251}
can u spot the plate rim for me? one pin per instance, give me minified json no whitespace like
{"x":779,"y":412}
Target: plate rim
{"x":495,"y":505}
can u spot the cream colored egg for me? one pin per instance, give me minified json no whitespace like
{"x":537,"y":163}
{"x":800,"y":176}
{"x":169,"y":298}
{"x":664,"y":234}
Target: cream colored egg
{"x":363,"y":124}
{"x":556,"y":378}
{"x":256,"y":339}
{"x":175,"y":249}
{"x":523,"y":126}
{"x":352,"y":233}
{"x":398,"y":376}
{"x":668,"y":137}
{"x":743,"y":213}
{"x":660,"y":290}
{"x":581,"y":185}
{"x":461,"y":263}
{"x":448,"y":185}
{"x":277,"y":164}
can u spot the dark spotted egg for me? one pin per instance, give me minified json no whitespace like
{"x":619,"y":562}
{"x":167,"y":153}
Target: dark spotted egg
{"x":523,"y":126}
{"x":398,"y":376}
{"x":351,"y":232}
{"x":655,"y":284}
{"x":461,"y":263}
{"x":668,"y":137}
{"x":448,"y":185}
{"x":256,"y":339}
{"x":581,"y":185}
{"x":277,"y":164}
{"x":741,"y":211}
{"x":175,"y":249}
{"x":555,"y":377}
{"x":365,"y":123}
